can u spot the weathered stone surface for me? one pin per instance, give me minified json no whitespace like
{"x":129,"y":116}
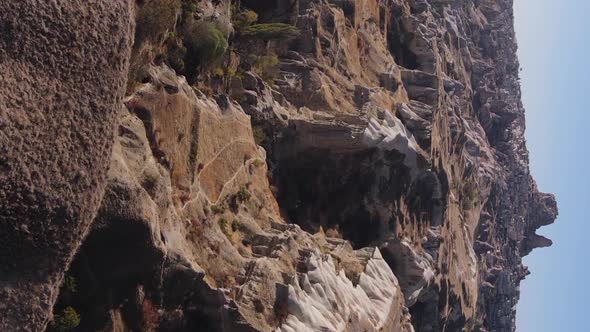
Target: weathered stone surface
{"x":324,"y":298}
{"x":390,"y":127}
{"x":203,"y":254}
{"x":64,"y":66}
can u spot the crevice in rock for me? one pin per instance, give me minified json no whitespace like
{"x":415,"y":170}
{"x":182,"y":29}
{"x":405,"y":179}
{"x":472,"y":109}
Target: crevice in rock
{"x":425,"y":312}
{"x":398,"y":42}
{"x":426,"y":197}
{"x":194,"y":146}
{"x":146,"y":117}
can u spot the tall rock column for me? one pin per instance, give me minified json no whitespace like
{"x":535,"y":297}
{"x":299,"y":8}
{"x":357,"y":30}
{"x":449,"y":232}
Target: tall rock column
{"x":63,"y":66}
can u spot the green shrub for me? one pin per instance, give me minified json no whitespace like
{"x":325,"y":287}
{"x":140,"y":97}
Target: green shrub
{"x":237,"y":73}
{"x":259,"y":135}
{"x":266,"y":66}
{"x":235,"y":225}
{"x":223,"y":227}
{"x":68,"y":320}
{"x":243,"y":195}
{"x":189,"y":8}
{"x":269,"y":31}
{"x":217,"y":209}
{"x":258,"y":162}
{"x":154,"y":18}
{"x":206,"y":41}
{"x":218,"y":72}
{"x":244,"y":19}
{"x":469,"y":195}
{"x":69,"y":284}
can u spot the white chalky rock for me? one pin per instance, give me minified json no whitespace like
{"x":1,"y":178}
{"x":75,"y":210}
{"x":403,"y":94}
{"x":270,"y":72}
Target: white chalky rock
{"x":391,"y":134}
{"x":326,"y":300}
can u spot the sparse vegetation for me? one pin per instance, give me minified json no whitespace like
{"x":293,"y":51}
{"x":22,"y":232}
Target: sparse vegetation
{"x":243,"y":195}
{"x":155,"y":18}
{"x":223,"y":227}
{"x":217,"y":209}
{"x":258,"y":162}
{"x":69,"y":284}
{"x":266,"y":66}
{"x":206,"y":41}
{"x":231,"y":72}
{"x":189,"y":8}
{"x":235,"y":225}
{"x":67,"y":320}
{"x":469,"y":195}
{"x":244,"y":19}
{"x":270,"y":31}
{"x":259,"y":135}
{"x":218,"y":72}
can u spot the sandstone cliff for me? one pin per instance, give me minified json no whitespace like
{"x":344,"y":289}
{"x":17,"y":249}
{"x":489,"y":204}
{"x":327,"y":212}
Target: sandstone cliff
{"x":284,"y":165}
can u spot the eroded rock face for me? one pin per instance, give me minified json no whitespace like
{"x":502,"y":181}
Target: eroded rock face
{"x":64,"y":67}
{"x":460,"y":209}
{"x":374,"y":304}
{"x":391,"y":190}
{"x":189,"y":236}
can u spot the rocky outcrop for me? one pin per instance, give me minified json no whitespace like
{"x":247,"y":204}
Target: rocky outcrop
{"x":325,"y":299}
{"x":63,"y":67}
{"x":209,"y":248}
{"x":360,"y":166}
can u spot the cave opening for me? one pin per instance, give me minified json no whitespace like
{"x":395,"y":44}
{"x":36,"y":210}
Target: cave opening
{"x":426,"y":311}
{"x":342,"y":192}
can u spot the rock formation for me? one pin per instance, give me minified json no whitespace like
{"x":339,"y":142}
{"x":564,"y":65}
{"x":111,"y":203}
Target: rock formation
{"x":284,"y":165}
{"x":63,"y":67}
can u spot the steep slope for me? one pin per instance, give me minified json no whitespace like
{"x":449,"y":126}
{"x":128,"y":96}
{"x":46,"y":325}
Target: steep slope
{"x":315,"y":165}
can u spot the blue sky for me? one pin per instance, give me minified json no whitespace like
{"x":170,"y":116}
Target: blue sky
{"x":554,"y":46}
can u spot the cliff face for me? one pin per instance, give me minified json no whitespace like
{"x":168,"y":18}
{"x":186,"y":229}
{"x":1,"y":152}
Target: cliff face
{"x":360,"y":166}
